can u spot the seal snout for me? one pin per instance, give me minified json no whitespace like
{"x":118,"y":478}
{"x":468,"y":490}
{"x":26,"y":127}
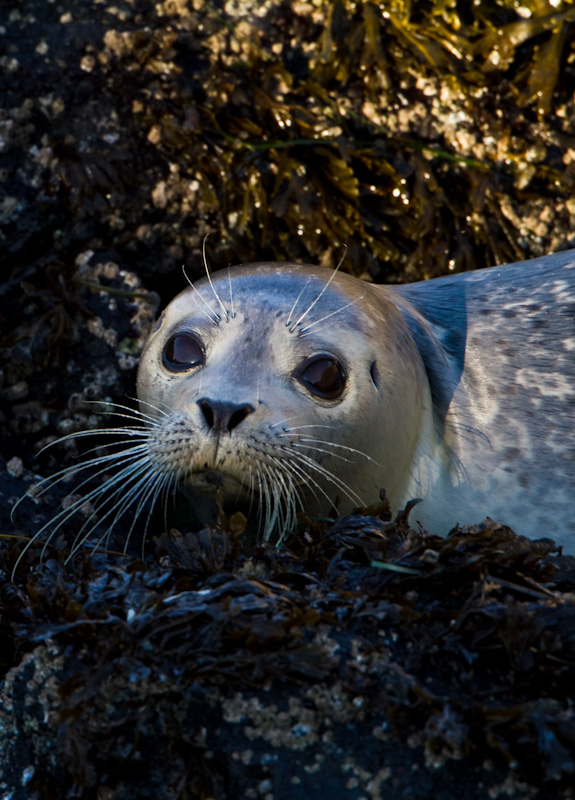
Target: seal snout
{"x":222,"y":417}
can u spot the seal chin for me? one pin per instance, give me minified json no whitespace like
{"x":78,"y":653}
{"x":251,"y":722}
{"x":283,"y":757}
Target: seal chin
{"x":211,"y":491}
{"x":211,"y":481}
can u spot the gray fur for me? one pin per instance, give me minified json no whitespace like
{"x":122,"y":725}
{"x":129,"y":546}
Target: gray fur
{"x":500,"y":345}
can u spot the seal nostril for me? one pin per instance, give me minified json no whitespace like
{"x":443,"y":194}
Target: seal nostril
{"x":223,"y":417}
{"x":239,"y":416}
{"x":206,"y":410}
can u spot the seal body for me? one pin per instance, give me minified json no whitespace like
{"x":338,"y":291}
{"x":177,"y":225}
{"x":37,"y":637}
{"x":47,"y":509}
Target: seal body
{"x":292,"y":387}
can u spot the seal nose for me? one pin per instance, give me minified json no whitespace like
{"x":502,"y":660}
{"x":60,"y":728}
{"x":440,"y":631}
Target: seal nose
{"x":223,"y":417}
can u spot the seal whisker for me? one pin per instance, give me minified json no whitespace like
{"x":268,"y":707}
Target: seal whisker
{"x":70,"y":470}
{"x":165,"y":411}
{"x":135,"y":493}
{"x":318,"y":298}
{"x":278,"y":521}
{"x":315,"y":449}
{"x":343,"y":255}
{"x":275,"y":495}
{"x":107,"y":459}
{"x":148,"y":483}
{"x":273,"y":504}
{"x":300,"y":465}
{"x":144,"y":492}
{"x":469,"y":429}
{"x":128,"y":430}
{"x":137,"y":465}
{"x":296,"y":301}
{"x":209,"y":277}
{"x":166,"y":483}
{"x":314,"y":465}
{"x":305,"y":331}
{"x":303,"y":439}
{"x":297,"y":427}
{"x":310,"y":483}
{"x":263,"y":490}
{"x":290,"y":495}
{"x":232,"y":312}
{"x":251,"y":492}
{"x":313,"y":303}
{"x":282,"y":497}
{"x":213,"y":316}
{"x":130,"y":433}
{"x":46,"y":484}
{"x":131,"y":413}
{"x":117,"y":480}
{"x":273,"y":521}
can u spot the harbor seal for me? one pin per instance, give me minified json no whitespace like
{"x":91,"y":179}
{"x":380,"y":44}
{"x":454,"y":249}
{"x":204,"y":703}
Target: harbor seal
{"x":290,"y":387}
{"x":295,"y":387}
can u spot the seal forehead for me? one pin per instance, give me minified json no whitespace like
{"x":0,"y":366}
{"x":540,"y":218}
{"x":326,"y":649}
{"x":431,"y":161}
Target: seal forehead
{"x":302,"y":296}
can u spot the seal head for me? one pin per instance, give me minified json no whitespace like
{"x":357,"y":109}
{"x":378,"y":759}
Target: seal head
{"x":279,"y":384}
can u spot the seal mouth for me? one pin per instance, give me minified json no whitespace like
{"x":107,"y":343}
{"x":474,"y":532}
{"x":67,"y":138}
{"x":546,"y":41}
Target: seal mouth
{"x":213,"y":481}
{"x":214,"y":478}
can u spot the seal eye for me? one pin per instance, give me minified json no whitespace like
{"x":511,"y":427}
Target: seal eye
{"x":182,"y":352}
{"x":324,"y":377}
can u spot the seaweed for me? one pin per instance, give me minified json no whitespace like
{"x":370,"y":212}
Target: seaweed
{"x":465,"y":647}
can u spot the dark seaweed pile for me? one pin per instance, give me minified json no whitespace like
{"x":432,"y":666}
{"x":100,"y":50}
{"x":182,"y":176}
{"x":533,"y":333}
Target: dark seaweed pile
{"x":427,"y":137}
{"x":360,"y":649}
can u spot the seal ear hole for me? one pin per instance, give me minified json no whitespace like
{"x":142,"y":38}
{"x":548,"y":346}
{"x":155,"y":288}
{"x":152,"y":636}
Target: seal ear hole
{"x":322,"y":376}
{"x":374,"y":372}
{"x":182,"y":352}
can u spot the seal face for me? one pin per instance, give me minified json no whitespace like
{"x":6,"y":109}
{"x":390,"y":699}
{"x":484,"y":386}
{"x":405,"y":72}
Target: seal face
{"x":271,"y":384}
{"x":296,"y":388}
